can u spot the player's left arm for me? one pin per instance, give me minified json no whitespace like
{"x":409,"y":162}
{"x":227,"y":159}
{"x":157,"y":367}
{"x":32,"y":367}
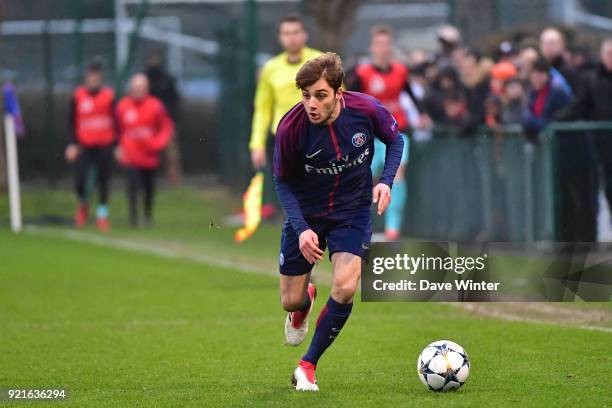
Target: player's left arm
{"x":385,"y":128}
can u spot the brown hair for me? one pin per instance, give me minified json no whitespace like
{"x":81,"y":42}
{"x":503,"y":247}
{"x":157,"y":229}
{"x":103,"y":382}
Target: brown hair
{"x":292,"y":18}
{"x":381,"y":29}
{"x":328,"y":66}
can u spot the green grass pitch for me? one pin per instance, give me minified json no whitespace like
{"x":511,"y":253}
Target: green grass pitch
{"x":119,"y":327}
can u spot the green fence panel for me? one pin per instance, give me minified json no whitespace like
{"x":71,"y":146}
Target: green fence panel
{"x":486,"y":187}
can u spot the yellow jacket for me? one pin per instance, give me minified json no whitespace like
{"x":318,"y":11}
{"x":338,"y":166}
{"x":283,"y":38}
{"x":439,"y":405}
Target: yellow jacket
{"x":276,"y":93}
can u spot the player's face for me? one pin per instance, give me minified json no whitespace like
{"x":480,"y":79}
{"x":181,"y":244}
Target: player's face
{"x":292,"y":36}
{"x":93,"y":79}
{"x":321,"y":102}
{"x":381,"y":47}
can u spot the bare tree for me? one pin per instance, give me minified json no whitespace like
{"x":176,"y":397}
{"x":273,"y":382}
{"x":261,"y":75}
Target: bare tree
{"x":334,"y":20}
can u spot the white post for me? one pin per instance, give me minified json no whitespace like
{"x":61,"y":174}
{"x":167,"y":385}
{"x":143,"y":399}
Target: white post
{"x":175,"y":53}
{"x":12,"y":166}
{"x":121,"y":38}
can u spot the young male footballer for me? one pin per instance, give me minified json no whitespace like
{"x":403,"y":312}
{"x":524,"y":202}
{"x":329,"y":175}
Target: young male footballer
{"x":324,"y":148}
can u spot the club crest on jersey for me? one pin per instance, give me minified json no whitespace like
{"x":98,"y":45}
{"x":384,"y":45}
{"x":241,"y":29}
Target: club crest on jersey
{"x":358,"y":139}
{"x":393,"y":125}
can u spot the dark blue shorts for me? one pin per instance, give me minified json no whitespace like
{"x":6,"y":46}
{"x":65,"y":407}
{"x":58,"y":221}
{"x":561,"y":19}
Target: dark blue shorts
{"x":351,"y":234}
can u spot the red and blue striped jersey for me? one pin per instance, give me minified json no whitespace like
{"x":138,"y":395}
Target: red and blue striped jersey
{"x":323,"y":171}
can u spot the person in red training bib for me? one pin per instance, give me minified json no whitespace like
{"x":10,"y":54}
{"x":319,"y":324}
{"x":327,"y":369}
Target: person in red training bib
{"x":145,"y":131}
{"x":91,"y":141}
{"x":386,"y":79}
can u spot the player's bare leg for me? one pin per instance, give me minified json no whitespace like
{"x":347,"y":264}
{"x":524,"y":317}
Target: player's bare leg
{"x":346,"y":275}
{"x":347,"y":272}
{"x":297,"y":298}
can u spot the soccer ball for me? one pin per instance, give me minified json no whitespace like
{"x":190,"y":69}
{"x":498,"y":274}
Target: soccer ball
{"x":443,"y":366}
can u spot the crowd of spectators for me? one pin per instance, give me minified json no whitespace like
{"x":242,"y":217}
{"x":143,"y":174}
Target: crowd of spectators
{"x":529,"y":85}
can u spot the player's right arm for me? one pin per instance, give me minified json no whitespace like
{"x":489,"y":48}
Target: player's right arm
{"x":262,"y":118}
{"x":286,"y":159}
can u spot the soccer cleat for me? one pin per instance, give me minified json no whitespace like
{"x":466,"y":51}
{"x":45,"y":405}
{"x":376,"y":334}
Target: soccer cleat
{"x":296,"y":323}
{"x":304,"y":377}
{"x":80,"y":217}
{"x":103,"y":224}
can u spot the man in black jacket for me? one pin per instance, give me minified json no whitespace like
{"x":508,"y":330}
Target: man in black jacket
{"x":163,"y":87}
{"x":594,"y":103}
{"x":553,"y":48}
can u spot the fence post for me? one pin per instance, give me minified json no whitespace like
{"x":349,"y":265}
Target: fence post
{"x":528,"y":174}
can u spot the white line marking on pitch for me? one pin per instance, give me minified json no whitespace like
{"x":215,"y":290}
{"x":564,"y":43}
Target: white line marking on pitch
{"x":119,"y":243}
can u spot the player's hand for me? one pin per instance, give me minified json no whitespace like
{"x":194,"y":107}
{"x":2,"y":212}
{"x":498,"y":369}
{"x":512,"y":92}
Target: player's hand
{"x":71,"y":153}
{"x":118,"y":153}
{"x":381,"y":195}
{"x":309,"y":246}
{"x":258,"y":158}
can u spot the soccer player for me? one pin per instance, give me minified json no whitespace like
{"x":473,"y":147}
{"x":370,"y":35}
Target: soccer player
{"x":91,"y":140}
{"x":145,"y":130}
{"x":386,"y":79}
{"x":276,"y":92}
{"x":324,"y":148}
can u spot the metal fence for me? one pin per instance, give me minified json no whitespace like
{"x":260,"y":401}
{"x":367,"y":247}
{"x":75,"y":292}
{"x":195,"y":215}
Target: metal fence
{"x":492,"y":186}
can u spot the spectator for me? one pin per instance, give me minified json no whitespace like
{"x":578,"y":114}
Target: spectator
{"x":580,"y":60}
{"x":417,"y":57}
{"x":505,"y":104}
{"x":493,"y":111}
{"x":594,"y":103}
{"x":500,"y":73}
{"x":513,"y":102}
{"x":455,"y":110}
{"x":163,"y":87}
{"x":449,"y":40}
{"x":545,"y":99}
{"x":526,"y":58}
{"x":577,"y":202}
{"x":447,"y":81}
{"x":474,"y":71}
{"x":507,"y":52}
{"x":552,"y":48}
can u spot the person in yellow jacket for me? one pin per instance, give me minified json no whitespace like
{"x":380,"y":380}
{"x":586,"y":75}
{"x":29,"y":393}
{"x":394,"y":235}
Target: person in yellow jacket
{"x":276,"y":92}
